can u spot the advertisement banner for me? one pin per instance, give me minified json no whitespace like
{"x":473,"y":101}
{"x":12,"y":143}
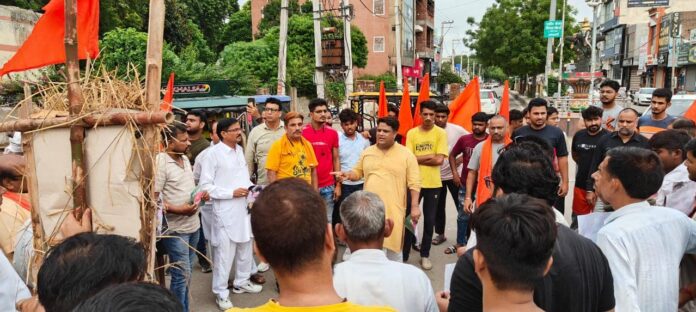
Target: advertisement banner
{"x":647,"y":3}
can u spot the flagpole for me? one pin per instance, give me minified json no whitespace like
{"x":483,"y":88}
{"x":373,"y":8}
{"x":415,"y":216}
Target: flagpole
{"x":76,"y":100}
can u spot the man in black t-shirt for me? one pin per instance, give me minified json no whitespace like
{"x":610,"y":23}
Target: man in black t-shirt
{"x":584,"y":143}
{"x":554,"y":136}
{"x":579,"y":279}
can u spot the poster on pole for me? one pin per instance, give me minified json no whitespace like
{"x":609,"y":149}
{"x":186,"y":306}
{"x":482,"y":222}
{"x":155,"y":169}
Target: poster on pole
{"x":647,"y":3}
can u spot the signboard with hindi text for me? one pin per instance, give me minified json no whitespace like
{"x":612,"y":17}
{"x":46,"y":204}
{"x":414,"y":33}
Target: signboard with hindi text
{"x":553,"y":29}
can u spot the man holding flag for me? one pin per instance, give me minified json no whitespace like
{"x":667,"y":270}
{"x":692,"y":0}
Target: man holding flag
{"x":483,"y":158}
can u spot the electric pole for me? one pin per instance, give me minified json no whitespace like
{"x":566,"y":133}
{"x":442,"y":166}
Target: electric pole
{"x":282,"y":47}
{"x":549,"y":48}
{"x":318,"y":73}
{"x":397,"y":45}
{"x":347,"y":50}
{"x":560,"y":64}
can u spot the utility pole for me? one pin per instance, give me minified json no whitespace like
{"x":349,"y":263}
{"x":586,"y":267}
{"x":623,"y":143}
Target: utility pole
{"x":560,"y":65}
{"x":397,"y":45}
{"x":348,"y":50}
{"x":593,"y":59}
{"x":549,"y":48}
{"x":282,"y":47}
{"x":453,"y":55}
{"x":318,"y":73}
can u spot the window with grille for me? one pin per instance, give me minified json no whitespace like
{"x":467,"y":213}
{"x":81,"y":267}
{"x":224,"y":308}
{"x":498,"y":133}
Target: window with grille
{"x":378,"y":7}
{"x":378,"y":44}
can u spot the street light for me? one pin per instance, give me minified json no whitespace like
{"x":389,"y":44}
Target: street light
{"x":595,"y":5}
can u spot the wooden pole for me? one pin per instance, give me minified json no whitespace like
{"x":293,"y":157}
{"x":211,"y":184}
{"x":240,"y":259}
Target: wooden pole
{"x":107,"y":119}
{"x":153,"y":82}
{"x":75,"y":99}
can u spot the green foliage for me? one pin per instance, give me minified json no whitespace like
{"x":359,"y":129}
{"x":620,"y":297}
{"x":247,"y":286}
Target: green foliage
{"x":271,"y":14}
{"x":210,"y":16}
{"x":510,"y":35}
{"x":251,"y":62}
{"x":495,"y":73}
{"x":359,"y":47}
{"x":447,"y":76}
{"x":238,"y":28}
{"x":33,"y":5}
{"x":122,"y":14}
{"x":335,"y":92}
{"x":388,"y":78}
{"x":122,"y":47}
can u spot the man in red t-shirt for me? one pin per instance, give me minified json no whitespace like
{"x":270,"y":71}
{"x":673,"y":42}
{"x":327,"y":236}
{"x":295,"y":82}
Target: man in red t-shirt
{"x":324,"y":140}
{"x":464,"y":146}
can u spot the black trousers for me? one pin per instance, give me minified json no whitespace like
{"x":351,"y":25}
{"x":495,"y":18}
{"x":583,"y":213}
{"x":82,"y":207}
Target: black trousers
{"x":429,"y":196}
{"x":441,"y":213}
{"x":346,"y":190}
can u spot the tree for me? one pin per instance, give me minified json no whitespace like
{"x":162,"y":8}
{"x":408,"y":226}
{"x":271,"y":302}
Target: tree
{"x":271,"y":14}
{"x":123,"y":47}
{"x":495,"y":73}
{"x":509,"y":36}
{"x":211,"y":17}
{"x":238,"y":29}
{"x":447,"y":76}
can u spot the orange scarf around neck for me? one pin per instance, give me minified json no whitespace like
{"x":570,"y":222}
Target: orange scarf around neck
{"x":483,"y":191}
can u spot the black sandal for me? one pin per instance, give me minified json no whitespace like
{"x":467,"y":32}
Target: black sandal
{"x":451,"y":250}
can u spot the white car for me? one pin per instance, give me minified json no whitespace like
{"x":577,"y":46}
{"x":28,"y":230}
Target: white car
{"x":643,"y":97}
{"x":489,"y":101}
{"x":680,"y":103}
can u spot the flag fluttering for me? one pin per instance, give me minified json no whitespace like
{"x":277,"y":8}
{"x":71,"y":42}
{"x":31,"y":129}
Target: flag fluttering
{"x":382,"y":112}
{"x":166,"y":105}
{"x":46,"y":46}
{"x":405,"y":116}
{"x":467,"y":103}
{"x":691,"y":112}
{"x":423,"y":95}
{"x":505,"y":102}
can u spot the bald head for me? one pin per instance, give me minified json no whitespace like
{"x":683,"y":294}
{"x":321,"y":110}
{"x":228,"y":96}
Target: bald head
{"x":497,"y":126}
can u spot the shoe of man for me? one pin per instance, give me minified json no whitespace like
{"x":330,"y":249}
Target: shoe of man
{"x":426,"y":264}
{"x":263,"y":267}
{"x":439,"y":239}
{"x":205,"y":268}
{"x":224,"y":304}
{"x":249,"y":287}
{"x":258,"y":279}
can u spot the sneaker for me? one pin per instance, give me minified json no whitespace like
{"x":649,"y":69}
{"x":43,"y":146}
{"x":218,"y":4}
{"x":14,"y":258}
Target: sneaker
{"x":426,"y":264}
{"x":205,"y":268}
{"x":263,"y":267}
{"x":224,"y":304}
{"x":248,"y":287}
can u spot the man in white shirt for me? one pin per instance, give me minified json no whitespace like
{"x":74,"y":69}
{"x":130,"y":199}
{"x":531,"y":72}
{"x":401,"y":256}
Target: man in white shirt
{"x":226,"y":178}
{"x":643,"y":244}
{"x":350,"y":146}
{"x":677,"y":190}
{"x":454,"y":132}
{"x":368,"y":277}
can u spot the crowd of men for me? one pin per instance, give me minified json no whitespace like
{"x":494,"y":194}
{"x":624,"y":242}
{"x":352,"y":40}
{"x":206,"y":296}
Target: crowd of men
{"x":287,"y":196}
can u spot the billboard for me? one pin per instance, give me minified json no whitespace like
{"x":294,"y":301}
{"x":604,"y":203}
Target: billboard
{"x":408,"y":35}
{"x":647,"y":3}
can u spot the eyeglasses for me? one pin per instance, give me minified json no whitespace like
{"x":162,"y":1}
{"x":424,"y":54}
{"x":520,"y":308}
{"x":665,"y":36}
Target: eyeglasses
{"x":271,"y":110}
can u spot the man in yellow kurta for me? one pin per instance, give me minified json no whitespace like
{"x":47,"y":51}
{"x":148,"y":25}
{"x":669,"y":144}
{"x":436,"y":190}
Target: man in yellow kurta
{"x":389,"y":170}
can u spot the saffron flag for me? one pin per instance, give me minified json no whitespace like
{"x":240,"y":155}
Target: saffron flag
{"x":691,"y":112}
{"x":405,"y":116}
{"x":382,"y":112}
{"x":423,"y":95}
{"x":466,"y":105}
{"x":166,"y":105}
{"x":45,"y":45}
{"x":505,"y":102}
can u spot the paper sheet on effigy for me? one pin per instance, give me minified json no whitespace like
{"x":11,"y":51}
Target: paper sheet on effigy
{"x":589,"y":224}
{"x":449,"y":270}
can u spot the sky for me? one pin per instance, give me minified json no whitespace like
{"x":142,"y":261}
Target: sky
{"x":459,"y":10}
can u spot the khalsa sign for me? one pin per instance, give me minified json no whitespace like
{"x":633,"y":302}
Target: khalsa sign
{"x":192,"y":89}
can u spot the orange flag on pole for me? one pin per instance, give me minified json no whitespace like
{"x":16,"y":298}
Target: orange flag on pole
{"x":166,"y":104}
{"x":691,"y":112}
{"x":466,"y":105}
{"x":423,"y":95}
{"x":45,"y":45}
{"x":505,"y":102}
{"x":405,"y":116}
{"x":382,"y":112}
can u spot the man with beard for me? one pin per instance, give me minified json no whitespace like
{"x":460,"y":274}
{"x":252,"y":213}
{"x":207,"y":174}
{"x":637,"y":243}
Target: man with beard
{"x":454,"y":132}
{"x":608,"y":90}
{"x":537,"y":127}
{"x":627,"y":135}
{"x":195,"y":124}
{"x":465,"y":147}
{"x":350,"y":146}
{"x":262,"y":137}
{"x":582,"y":149}
{"x":392,"y":111}
{"x":292,"y":156}
{"x":429,"y":143}
{"x":390,"y":170}
{"x":324,"y":140}
{"x":658,"y":120}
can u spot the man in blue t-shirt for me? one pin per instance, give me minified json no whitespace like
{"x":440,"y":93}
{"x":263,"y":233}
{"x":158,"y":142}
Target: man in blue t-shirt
{"x":658,"y":120}
{"x":350,"y":146}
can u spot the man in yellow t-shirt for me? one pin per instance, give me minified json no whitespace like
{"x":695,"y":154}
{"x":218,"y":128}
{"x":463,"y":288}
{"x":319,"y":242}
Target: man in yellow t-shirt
{"x":429,"y":143}
{"x":298,"y":244}
{"x":292,"y":156}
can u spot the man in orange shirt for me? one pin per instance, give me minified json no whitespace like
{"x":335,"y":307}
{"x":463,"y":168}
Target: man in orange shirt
{"x":292,"y":155}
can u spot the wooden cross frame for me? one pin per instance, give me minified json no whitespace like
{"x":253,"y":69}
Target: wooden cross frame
{"x":78,"y":122}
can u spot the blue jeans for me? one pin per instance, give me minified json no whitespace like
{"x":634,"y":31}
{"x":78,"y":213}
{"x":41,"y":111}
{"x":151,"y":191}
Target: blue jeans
{"x":327,"y":193}
{"x":181,"y":256}
{"x":462,"y":219}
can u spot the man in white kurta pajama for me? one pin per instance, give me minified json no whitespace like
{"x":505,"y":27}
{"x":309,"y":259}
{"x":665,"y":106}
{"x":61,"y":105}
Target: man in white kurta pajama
{"x":225,"y":176}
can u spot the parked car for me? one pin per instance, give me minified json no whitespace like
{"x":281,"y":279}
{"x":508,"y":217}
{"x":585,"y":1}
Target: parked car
{"x":489,"y":101}
{"x":643,"y":96}
{"x":680,"y":103}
